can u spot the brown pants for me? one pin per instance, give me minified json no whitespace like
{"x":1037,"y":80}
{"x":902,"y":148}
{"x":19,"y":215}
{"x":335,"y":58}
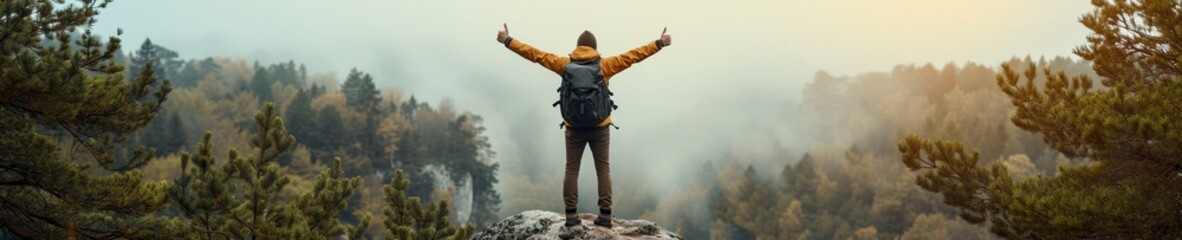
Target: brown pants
{"x":576,"y":142}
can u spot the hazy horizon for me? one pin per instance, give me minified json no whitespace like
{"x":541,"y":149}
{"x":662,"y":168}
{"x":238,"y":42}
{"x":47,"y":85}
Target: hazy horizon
{"x":739,"y":61}
{"x":840,"y":37}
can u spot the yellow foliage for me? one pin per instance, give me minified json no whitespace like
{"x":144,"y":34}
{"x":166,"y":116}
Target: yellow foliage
{"x":1020,"y":167}
{"x":927,"y":226}
{"x":282,"y":95}
{"x":233,"y":72}
{"x":684,"y":202}
{"x":393,"y":98}
{"x":210,"y":87}
{"x":938,"y":226}
{"x":240,"y":108}
{"x":196,"y":113}
{"x":352,"y":120}
{"x":372,"y":201}
{"x":791,"y":221}
{"x":326,"y":80}
{"x":302,"y":163}
{"x":392,"y":125}
{"x":443,"y":194}
{"x":720,"y":230}
{"x":167,"y":167}
{"x":297,"y":185}
{"x":866,"y":233}
{"x":825,"y":187}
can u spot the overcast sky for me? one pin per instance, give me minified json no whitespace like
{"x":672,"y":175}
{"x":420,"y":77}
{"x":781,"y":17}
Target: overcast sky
{"x":783,"y":38}
{"x":733,"y":63}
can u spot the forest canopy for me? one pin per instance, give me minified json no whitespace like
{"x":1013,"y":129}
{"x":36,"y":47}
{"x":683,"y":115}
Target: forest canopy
{"x":98,"y":144}
{"x":101,"y":139}
{"x":1123,"y":122}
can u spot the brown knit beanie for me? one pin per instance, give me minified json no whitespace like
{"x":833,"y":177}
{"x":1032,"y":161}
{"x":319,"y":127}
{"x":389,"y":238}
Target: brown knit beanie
{"x":587,"y":39}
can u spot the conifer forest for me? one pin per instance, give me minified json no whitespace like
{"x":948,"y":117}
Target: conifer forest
{"x":404,"y":121}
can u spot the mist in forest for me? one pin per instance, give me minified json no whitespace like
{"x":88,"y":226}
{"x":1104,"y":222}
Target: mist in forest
{"x":745,"y":83}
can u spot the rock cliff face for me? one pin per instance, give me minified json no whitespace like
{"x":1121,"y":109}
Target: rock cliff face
{"x":537,"y":224}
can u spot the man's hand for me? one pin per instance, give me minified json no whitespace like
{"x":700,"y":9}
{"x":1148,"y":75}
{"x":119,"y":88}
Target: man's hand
{"x":502,"y":35}
{"x":666,"y":40}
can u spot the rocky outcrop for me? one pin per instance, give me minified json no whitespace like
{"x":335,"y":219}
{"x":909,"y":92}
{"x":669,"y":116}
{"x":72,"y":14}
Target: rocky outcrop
{"x":539,"y":225}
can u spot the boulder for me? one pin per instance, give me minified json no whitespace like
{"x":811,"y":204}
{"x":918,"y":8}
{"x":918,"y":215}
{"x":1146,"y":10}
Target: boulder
{"x":545,"y":225}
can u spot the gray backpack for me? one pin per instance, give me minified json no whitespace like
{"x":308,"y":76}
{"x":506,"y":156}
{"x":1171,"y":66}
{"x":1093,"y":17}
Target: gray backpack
{"x":583,"y":96}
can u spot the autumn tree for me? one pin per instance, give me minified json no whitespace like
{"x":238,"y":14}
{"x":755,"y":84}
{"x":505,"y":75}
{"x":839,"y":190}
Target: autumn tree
{"x":1128,"y":129}
{"x":438,"y":137}
{"x":64,"y":109}
{"x":745,"y":204}
{"x":363,"y":97}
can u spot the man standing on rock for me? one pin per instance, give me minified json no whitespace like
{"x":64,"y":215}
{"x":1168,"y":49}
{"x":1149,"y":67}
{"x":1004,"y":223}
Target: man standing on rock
{"x":586,"y":106}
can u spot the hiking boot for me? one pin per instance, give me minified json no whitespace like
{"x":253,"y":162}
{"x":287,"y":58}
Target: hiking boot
{"x":605,"y":218}
{"x":604,"y":221}
{"x":572,"y":217}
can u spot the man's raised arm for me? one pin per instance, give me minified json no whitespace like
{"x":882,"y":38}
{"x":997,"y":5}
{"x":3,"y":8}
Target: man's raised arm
{"x":549,"y":60}
{"x":617,"y":64}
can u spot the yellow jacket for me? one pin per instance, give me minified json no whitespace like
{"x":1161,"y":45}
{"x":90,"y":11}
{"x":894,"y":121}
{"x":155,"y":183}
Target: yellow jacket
{"x":609,"y":65}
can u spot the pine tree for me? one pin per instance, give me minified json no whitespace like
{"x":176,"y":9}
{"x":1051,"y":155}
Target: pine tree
{"x":145,"y":55}
{"x":1128,"y":128}
{"x":194,"y":71}
{"x":300,"y":117}
{"x":360,"y":93}
{"x":150,"y":136}
{"x":72,"y":91}
{"x":302,"y":121}
{"x":287,"y":73}
{"x":165,"y":134}
{"x":409,"y":108}
{"x":165,"y":62}
{"x":330,"y":128}
{"x":805,"y":181}
{"x":316,"y":90}
{"x":459,"y":147}
{"x":188,"y":76}
{"x":176,"y":134}
{"x":361,"y":96}
{"x":239,"y":199}
{"x":260,"y":84}
{"x":406,"y":218}
{"x":303,"y":75}
{"x":328,"y":198}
